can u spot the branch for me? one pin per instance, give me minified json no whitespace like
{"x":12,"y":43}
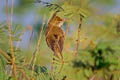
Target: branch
{"x":78,"y":36}
{"x":10,"y":37}
{"x":30,"y":40}
{"x":5,"y":55}
{"x":50,"y":5}
{"x":37,"y":49}
{"x":68,"y":27}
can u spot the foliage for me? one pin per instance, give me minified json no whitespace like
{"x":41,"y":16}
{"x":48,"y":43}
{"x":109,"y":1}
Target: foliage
{"x":98,"y":54}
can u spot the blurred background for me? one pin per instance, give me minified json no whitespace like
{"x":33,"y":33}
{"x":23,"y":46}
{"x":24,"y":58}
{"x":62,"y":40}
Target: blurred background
{"x":99,"y":49}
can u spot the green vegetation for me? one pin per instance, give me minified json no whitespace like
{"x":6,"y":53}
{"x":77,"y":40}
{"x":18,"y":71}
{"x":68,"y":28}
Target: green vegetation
{"x":98,"y":42}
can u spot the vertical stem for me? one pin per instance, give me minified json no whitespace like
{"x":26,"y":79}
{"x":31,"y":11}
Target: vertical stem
{"x":78,"y":37}
{"x":30,"y":40}
{"x":50,"y":27}
{"x":68,"y":27}
{"x":36,"y":50}
{"x":10,"y":38}
{"x":12,"y":11}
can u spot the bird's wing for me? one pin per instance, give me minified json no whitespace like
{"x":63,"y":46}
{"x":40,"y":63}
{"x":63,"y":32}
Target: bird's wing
{"x":61,"y":43}
{"x":50,"y":43}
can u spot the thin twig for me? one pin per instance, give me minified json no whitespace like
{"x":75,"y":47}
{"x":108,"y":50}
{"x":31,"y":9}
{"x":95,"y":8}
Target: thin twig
{"x":47,"y":4}
{"x":68,"y":27}
{"x":37,"y":48}
{"x":49,"y":23}
{"x":78,"y":37}
{"x":30,"y":40}
{"x":10,"y":39}
{"x":12,"y":11}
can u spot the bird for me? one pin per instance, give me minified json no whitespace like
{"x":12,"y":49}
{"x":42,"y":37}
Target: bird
{"x":55,"y":35}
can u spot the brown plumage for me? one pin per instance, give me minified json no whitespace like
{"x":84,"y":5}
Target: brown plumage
{"x":55,"y":35}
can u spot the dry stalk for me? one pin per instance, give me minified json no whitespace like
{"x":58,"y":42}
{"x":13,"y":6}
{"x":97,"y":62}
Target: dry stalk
{"x":49,"y":23}
{"x":10,"y":38}
{"x":37,"y":48}
{"x":78,"y":37}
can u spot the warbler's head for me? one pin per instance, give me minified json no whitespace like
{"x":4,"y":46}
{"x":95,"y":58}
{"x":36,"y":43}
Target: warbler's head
{"x":56,"y":21}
